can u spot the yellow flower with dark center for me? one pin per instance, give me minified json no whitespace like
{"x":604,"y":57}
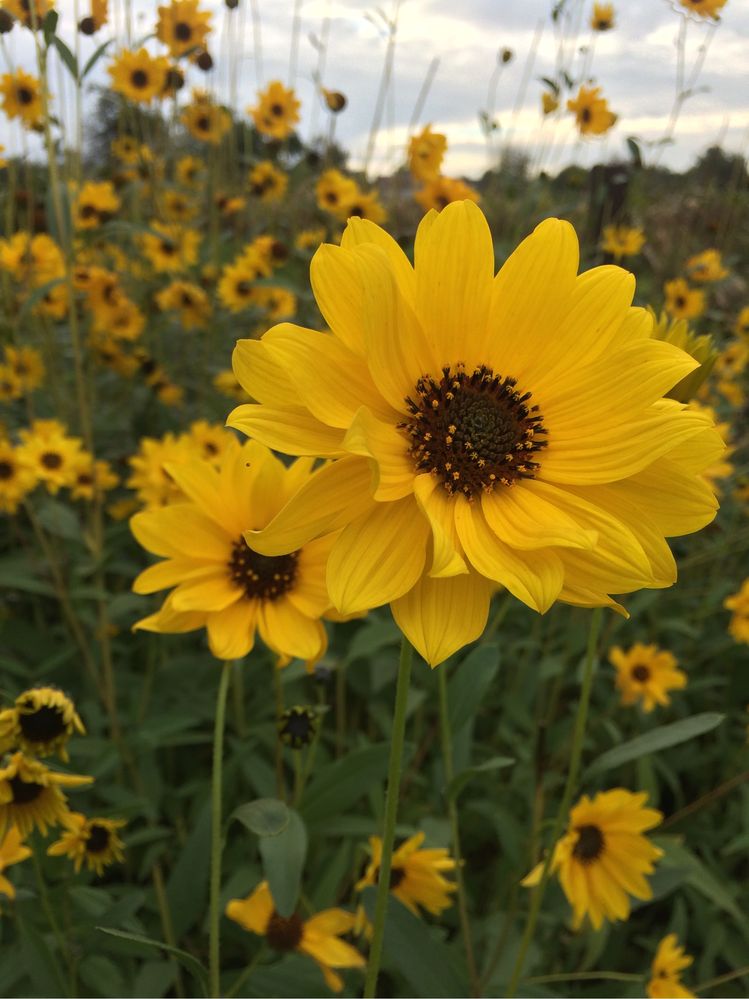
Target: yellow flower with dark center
{"x":646,"y":673}
{"x":310,"y":239}
{"x":591,"y":111}
{"x":21,"y":97}
{"x":604,"y":856}
{"x":489,"y":431}
{"x":267,"y":182}
{"x":34,"y":260}
{"x":739,"y":604}
{"x":94,"y":841}
{"x":669,"y":962}
{"x":319,"y":937}
{"x":154,"y":485}
{"x":177,"y":207}
{"x":12,"y":851}
{"x":127,"y":149}
{"x":333,"y":189}
{"x":297,"y":726}
{"x":276,"y":112}
{"x":602,"y":18}
{"x":171,"y":247}
{"x":442,"y":191}
{"x":51,"y":453}
{"x":279,"y":303}
{"x":211,"y":440}
{"x":622,"y":241}
{"x":10,"y":384}
{"x":17,"y":476}
{"x":362,"y":206}
{"x":188,"y":300}
{"x":335,"y":101}
{"x":188,"y":171}
{"x":741,"y":326}
{"x":44,"y":719}
{"x":139,"y":76}
{"x":124,"y":321}
{"x":28,"y":365}
{"x":207,"y":122}
{"x":683,"y":302}
{"x":96,"y":203}
{"x":416,"y":875}
{"x":220,"y":583}
{"x":706,"y":267}
{"x":425,"y":154}
{"x":273,"y":251}
{"x":30,"y":795}
{"x":181,"y":26}
{"x":92,"y":478}
{"x":22,"y":10}
{"x":704,"y":8}
{"x":236,"y":287}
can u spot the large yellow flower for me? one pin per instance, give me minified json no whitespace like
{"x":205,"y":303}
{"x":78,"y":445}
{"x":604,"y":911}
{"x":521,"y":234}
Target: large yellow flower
{"x":139,"y":76}
{"x":669,"y":962}
{"x":506,"y":430}
{"x":591,"y":111}
{"x":220,"y":583}
{"x":21,"y":97}
{"x":181,"y":26}
{"x":416,"y":876}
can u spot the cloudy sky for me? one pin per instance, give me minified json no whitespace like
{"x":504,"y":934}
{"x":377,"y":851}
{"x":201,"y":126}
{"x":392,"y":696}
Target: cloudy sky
{"x":635,"y":64}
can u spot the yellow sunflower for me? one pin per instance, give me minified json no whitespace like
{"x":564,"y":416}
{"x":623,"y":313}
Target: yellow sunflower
{"x":646,"y":673}
{"x":319,"y":937}
{"x":698,"y":346}
{"x":416,"y":875}
{"x":21,"y":97}
{"x":683,"y":302}
{"x":333,"y":189}
{"x":362,"y":206}
{"x":94,"y":841}
{"x":28,"y":365}
{"x":704,"y":8}
{"x":207,"y":122}
{"x":604,"y":856}
{"x":96,"y":203}
{"x":267,"y":182}
{"x":181,"y":26}
{"x":276,"y":112}
{"x":425,"y":154}
{"x":50,"y":452}
{"x":224,"y":382}
{"x":98,"y":17}
{"x":92,"y":478}
{"x":17,"y":476}
{"x":220,"y":583}
{"x":188,"y":300}
{"x":622,"y":241}
{"x":591,"y":111}
{"x":602,"y":18}
{"x":669,"y":962}
{"x":30,"y":795}
{"x":30,"y":16}
{"x":170,"y":247}
{"x":139,"y":76}
{"x":706,"y":267}
{"x":154,"y":485}
{"x":489,"y":431}
{"x":739,"y":604}
{"x":40,"y":723}
{"x":188,"y":170}
{"x":10,"y":384}
{"x":12,"y":851}
{"x":442,"y":191}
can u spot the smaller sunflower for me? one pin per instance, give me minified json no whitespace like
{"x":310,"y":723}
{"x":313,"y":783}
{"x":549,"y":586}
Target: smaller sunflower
{"x":622,"y":241}
{"x":333,"y":189}
{"x":181,"y":26}
{"x":50,"y":452}
{"x":98,"y":17}
{"x":604,"y":856}
{"x":30,"y":795}
{"x":602,"y":18}
{"x":741,"y":326}
{"x":207,"y":122}
{"x":425,"y":154}
{"x":683,"y":302}
{"x":170,"y":247}
{"x":706,"y":267}
{"x":591,"y":111}
{"x":92,"y":478}
{"x":30,"y":17}
{"x":94,"y":841}
{"x":319,"y":937}
{"x":267,"y":182}
{"x":276,"y":112}
{"x":669,"y":962}
{"x":704,"y":8}
{"x":188,"y":300}
{"x":96,"y":203}
{"x":739,"y":603}
{"x":646,"y":673}
{"x":12,"y":851}
{"x":442,"y":191}
{"x":44,"y":720}
{"x":188,"y":171}
{"x":17,"y":477}
{"x":139,"y":76}
{"x":363,"y":206}
{"x":416,"y":875}
{"x":21,"y":97}
{"x":310,"y":239}
{"x":28,"y":365}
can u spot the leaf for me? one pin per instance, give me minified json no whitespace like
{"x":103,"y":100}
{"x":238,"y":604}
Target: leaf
{"x":186,"y":960}
{"x":67,"y":56}
{"x":460,"y":780}
{"x":467,"y":687}
{"x":49,"y":25}
{"x":264,"y":817}
{"x":373,"y":635}
{"x":634,"y":150}
{"x":95,"y":58}
{"x":14,"y":575}
{"x":283,"y":862}
{"x":102,"y":976}
{"x":658,"y":738}
{"x":40,"y":963}
{"x":187,"y":888}
{"x":701,"y":878}
{"x":340,"y":784}
{"x":59,"y":520}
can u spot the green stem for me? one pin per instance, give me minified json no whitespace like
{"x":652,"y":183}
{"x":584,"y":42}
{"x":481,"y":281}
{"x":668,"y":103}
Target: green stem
{"x":397,"y":737}
{"x":447,"y":762}
{"x":62,"y":946}
{"x":216,"y":832}
{"x":584,"y":976}
{"x":721,"y":980}
{"x":244,"y":975}
{"x":569,"y":789}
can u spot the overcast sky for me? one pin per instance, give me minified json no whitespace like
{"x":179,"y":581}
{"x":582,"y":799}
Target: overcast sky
{"x":635,"y":64}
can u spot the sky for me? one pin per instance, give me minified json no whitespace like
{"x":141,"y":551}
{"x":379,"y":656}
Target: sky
{"x":635,"y":64}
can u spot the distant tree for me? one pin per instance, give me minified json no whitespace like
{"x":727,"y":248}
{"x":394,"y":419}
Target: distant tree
{"x":721,"y":168}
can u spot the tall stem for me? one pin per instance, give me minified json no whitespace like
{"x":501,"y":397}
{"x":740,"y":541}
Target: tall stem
{"x":569,"y":789}
{"x":447,"y":762}
{"x":216,"y":832}
{"x":397,"y":737}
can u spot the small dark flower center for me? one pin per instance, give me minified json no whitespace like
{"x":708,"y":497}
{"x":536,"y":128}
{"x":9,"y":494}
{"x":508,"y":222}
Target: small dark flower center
{"x":276,"y":109}
{"x":6,"y":470}
{"x":297,"y":727}
{"x":168,"y":248}
{"x":441,"y":201}
{"x":182,"y":31}
{"x":87,"y":25}
{"x":243,"y":288}
{"x":284,"y":933}
{"x":87,"y":212}
{"x":24,"y":95}
{"x":42,"y":725}
{"x":98,"y":839}
{"x":266,"y":577}
{"x":640,"y":673}
{"x":585,"y":115}
{"x":24,"y":792}
{"x":356,"y":211}
{"x":203,"y":124}
{"x":397,"y":874}
{"x":590,"y":844}
{"x":51,"y":460}
{"x":473,"y":431}
{"x":680,"y":302}
{"x":139,"y":78}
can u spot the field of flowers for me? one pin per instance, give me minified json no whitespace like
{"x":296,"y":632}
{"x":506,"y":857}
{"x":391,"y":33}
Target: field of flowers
{"x":374,"y":591}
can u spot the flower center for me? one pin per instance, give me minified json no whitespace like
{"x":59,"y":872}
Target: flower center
{"x":590,"y":843}
{"x":473,"y":430}
{"x":397,"y":874}
{"x":267,"y":577}
{"x":297,"y":726}
{"x":98,"y":839}
{"x":585,"y":115}
{"x":24,"y":95}
{"x":24,"y":792}
{"x":42,"y":725}
{"x":51,"y":460}
{"x":139,"y":79}
{"x":284,"y":933}
{"x":6,"y":470}
{"x":276,"y":109}
{"x":182,"y":31}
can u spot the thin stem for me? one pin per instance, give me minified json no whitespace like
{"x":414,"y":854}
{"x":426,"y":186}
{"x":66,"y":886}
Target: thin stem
{"x":62,"y":946}
{"x":584,"y":976}
{"x":278,"y":691}
{"x":706,"y":799}
{"x":216,"y":832}
{"x":447,"y":762}
{"x":569,"y":789}
{"x":397,"y":737}
{"x":713,"y":983}
{"x":244,"y":975}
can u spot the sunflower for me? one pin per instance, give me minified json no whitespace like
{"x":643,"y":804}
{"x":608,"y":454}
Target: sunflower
{"x":139,"y":76}
{"x":22,"y":10}
{"x":267,"y":182}
{"x":12,"y":851}
{"x":50,"y":452}
{"x":41,"y":722}
{"x":188,"y":171}
{"x":704,"y":8}
{"x":236,"y":287}
{"x":276,"y":112}
{"x":683,"y":302}
{"x":170,"y":247}
{"x":602,"y":18}
{"x":98,"y":17}
{"x":646,"y":673}
{"x":310,"y":239}
{"x":669,"y":961}
{"x":318,"y":937}
{"x":94,"y":840}
{"x":30,"y":795}
{"x":96,"y":203}
{"x":741,"y":326}
{"x":211,"y":440}
{"x":178,"y":207}
{"x":17,"y":476}
{"x":442,"y":191}
{"x":279,"y":303}
{"x":92,"y":478}
{"x":154,"y":485}
{"x":127,"y":149}
{"x":489,"y":431}
{"x":604,"y":855}
{"x":27,"y":364}
{"x":591,"y":111}
{"x":124,"y":322}
{"x":416,"y":875}
{"x":739,"y":604}
{"x":706,"y":267}
{"x":207,"y":122}
{"x":425,"y":154}
{"x":10,"y":384}
{"x":21,"y":97}
{"x":622,"y":241}
{"x":220,"y":583}
{"x":333,"y":189}
{"x":362,"y":206}
{"x":188,"y":300}
{"x":272,"y":251}
{"x":181,"y":26}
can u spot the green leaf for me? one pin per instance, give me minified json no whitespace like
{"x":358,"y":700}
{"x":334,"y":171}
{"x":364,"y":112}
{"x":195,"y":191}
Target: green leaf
{"x":49,"y":25}
{"x":634,"y":150}
{"x":469,"y":683}
{"x":186,"y":960}
{"x":187,"y":888}
{"x":658,"y":738}
{"x":102,"y":976}
{"x":283,"y":862}
{"x":264,"y":817}
{"x":701,"y":878}
{"x":15,"y":575}
{"x":42,"y":968}
{"x":460,"y":780}
{"x":340,"y":784}
{"x":95,"y":58}
{"x":60,"y":520}
{"x":67,"y":56}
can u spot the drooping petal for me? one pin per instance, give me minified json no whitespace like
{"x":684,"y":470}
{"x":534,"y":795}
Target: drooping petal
{"x":288,"y":631}
{"x":286,"y":429}
{"x":262,"y":377}
{"x":231,"y":632}
{"x":254,"y":912}
{"x":524,"y":517}
{"x":386,"y":446}
{"x":439,"y":509}
{"x":180,"y":531}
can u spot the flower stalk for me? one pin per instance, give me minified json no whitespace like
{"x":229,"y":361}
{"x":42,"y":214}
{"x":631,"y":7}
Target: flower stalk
{"x":214,"y":963}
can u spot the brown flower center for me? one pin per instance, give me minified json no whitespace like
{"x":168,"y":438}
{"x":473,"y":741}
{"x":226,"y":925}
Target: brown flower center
{"x":397,"y":874}
{"x":266,"y":577}
{"x":6,"y":470}
{"x":641,"y":673}
{"x":51,"y":460}
{"x":25,"y":96}
{"x":276,"y":109}
{"x":24,"y":792}
{"x":139,"y":79}
{"x":98,"y":839}
{"x":590,"y":844}
{"x":42,"y":725}
{"x":284,"y":933}
{"x":182,"y":31}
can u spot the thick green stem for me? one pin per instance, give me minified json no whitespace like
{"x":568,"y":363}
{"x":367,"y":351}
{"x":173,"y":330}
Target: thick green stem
{"x":216,"y":832}
{"x":397,"y":737}
{"x":569,"y":789}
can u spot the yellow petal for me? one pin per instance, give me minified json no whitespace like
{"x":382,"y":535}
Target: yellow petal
{"x":253,"y":913}
{"x":213,"y":593}
{"x":170,"y":573}
{"x":231,"y":632}
{"x":385,"y":445}
{"x":291,"y":431}
{"x":262,"y":377}
{"x":337,"y":287}
{"x":180,"y":531}
{"x":524,"y":517}
{"x":439,"y":509}
{"x":289,"y":632}
{"x":169,"y":621}
{"x":360,"y":231}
